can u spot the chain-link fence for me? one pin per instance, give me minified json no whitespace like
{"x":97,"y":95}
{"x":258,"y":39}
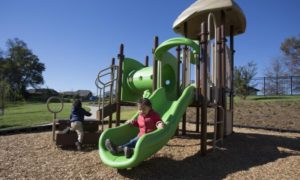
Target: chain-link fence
{"x":284,"y":85}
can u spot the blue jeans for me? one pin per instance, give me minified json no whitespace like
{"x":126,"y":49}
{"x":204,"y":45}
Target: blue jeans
{"x":131,"y":143}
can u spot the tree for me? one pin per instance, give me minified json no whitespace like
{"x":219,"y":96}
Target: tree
{"x":243,"y":75}
{"x":291,"y":51}
{"x":4,"y":89}
{"x":21,"y":68}
{"x":274,"y":74}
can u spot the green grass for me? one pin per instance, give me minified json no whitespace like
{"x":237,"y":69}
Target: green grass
{"x":126,"y":114}
{"x":25,"y":114}
{"x":28,"y":114}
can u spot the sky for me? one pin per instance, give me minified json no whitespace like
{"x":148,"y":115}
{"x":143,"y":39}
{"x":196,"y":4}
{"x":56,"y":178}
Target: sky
{"x":75,"y":39}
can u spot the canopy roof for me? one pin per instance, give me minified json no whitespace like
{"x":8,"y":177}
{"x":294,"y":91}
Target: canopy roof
{"x":198,"y":12}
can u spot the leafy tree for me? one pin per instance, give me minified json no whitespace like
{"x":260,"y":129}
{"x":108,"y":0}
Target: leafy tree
{"x":291,"y":51}
{"x":243,"y":75}
{"x":21,"y":68}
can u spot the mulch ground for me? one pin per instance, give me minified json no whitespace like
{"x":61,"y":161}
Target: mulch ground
{"x":246,"y":154}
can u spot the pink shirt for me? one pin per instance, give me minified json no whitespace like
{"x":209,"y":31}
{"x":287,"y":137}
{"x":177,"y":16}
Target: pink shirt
{"x":147,"y":123}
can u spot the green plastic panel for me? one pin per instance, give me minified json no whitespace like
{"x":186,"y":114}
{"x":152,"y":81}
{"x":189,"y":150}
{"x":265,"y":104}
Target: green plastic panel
{"x":167,"y":75}
{"x":171,"y":113}
{"x":128,"y":93}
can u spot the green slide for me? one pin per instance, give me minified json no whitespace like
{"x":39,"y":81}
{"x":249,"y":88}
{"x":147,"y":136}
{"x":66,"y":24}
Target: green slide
{"x":171,"y":113}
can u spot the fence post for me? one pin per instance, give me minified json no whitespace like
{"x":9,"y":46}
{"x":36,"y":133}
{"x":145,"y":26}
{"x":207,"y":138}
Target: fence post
{"x":277,"y":86}
{"x":291,"y":85}
{"x":264,"y":86}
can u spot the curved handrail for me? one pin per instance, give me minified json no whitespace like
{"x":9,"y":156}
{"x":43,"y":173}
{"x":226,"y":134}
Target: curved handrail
{"x":174,"y":42}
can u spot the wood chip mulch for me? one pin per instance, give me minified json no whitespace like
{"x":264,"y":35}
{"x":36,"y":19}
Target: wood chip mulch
{"x":246,"y":154}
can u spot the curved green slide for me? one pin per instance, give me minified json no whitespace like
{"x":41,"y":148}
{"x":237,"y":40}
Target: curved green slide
{"x":171,"y":113}
{"x":135,"y":80}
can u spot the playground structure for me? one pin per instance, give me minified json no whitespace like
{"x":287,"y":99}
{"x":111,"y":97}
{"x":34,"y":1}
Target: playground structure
{"x":202,"y":56}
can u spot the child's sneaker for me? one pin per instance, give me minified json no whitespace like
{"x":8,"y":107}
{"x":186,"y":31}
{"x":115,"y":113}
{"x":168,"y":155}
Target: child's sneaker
{"x":128,"y":152}
{"x":110,"y":147}
{"x":78,"y":145}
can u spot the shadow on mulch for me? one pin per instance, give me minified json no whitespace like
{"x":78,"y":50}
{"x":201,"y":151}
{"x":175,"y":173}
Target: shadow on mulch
{"x":85,"y":148}
{"x":240,"y":152}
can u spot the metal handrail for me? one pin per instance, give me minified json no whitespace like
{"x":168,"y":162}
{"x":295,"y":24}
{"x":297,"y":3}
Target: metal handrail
{"x":101,"y":85}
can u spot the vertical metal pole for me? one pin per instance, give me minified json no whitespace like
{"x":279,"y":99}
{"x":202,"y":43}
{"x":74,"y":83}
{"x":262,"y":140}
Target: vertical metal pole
{"x":53,"y":126}
{"x":277,"y":85}
{"x":291,"y":85}
{"x":219,"y":75}
{"x":264,"y":86}
{"x":203,"y":44}
{"x":119,"y":80}
{"x":111,"y":90}
{"x":232,"y":73}
{"x":178,"y":50}
{"x":198,"y":99}
{"x":224,"y":96}
{"x":154,"y":64}
{"x":147,"y":61}
{"x":185,"y":50}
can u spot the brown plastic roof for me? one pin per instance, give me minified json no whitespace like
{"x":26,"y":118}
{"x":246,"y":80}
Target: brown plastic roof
{"x":198,"y":13}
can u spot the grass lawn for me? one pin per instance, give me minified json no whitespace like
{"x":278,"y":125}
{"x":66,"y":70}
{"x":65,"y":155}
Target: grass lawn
{"x":25,"y":114}
{"x":34,"y":113}
{"x":29,"y":114}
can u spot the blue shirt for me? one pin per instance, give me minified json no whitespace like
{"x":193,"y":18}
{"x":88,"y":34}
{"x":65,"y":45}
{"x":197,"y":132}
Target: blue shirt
{"x":78,"y":114}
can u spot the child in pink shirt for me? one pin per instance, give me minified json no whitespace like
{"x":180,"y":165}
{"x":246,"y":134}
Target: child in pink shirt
{"x":147,"y":121}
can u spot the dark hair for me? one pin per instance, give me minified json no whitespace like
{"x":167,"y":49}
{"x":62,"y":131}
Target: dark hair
{"x":77,"y":104}
{"x":145,"y":101}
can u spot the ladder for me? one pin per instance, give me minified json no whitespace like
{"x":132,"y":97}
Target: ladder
{"x":216,"y":123}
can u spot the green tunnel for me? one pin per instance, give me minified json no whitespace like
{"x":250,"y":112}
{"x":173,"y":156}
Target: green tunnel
{"x":137,"y":78}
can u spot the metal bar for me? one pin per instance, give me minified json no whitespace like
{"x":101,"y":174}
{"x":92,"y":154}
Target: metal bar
{"x":219,"y":82}
{"x":111,"y":91}
{"x":178,"y":49}
{"x":53,"y":127}
{"x":119,"y":81}
{"x":102,"y":119}
{"x":203,"y":45}
{"x":154,"y":64}
{"x":264,"y":86}
{"x":232,"y":74}
{"x":291,"y":85}
{"x":223,"y":46}
{"x":184,"y":75}
{"x":198,"y":100}
{"x":147,"y":61}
